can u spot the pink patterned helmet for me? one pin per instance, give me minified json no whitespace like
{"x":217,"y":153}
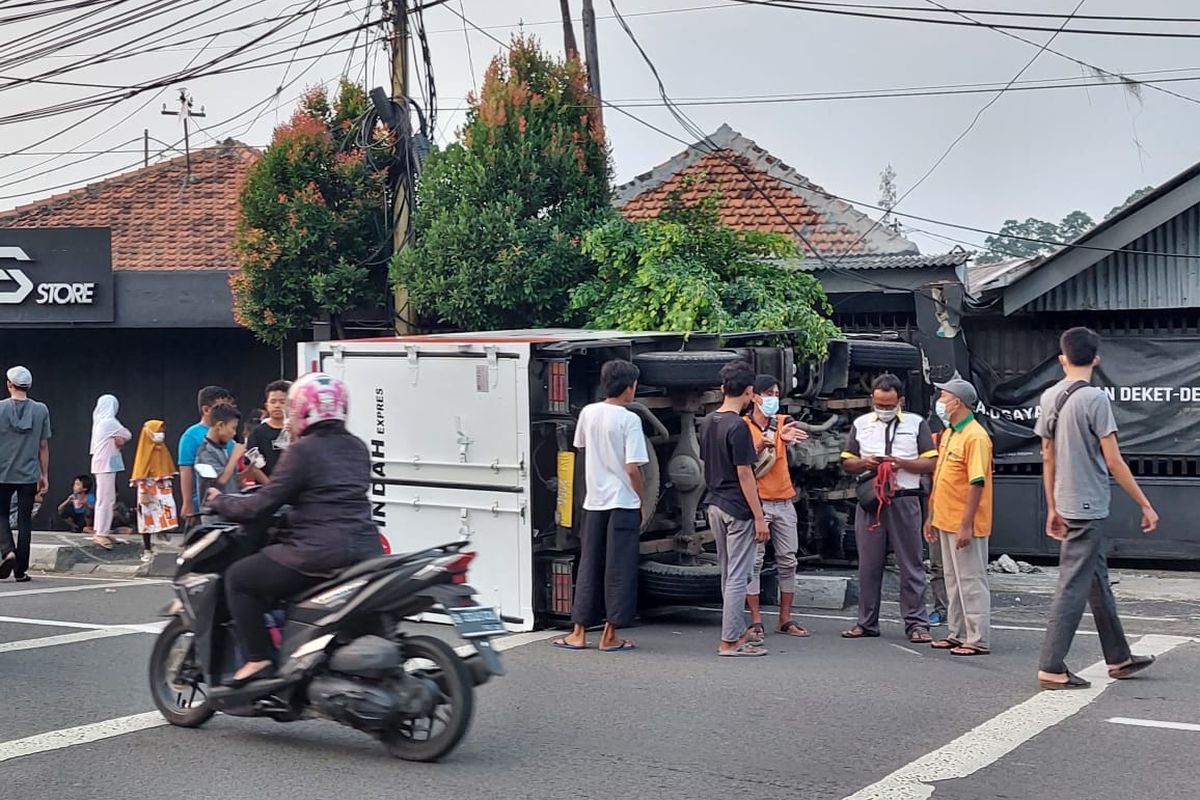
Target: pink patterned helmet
{"x":316,"y":397}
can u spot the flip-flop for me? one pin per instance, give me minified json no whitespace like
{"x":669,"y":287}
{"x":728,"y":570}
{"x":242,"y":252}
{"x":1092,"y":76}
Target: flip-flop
{"x":1135,"y":665}
{"x":755,"y":634}
{"x":946,"y":644}
{"x":1073,"y":682}
{"x":107,"y":544}
{"x":965,"y":650}
{"x":920,"y":637}
{"x":625,"y":646}
{"x":859,"y":632}
{"x":743,"y":651}
{"x":792,"y":628}
{"x":563,"y":644}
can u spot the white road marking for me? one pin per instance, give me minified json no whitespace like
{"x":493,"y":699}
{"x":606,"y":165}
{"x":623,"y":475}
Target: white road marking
{"x":1154,"y":723}
{"x":88,"y":588}
{"x":84,"y":734}
{"x":908,"y":650}
{"x":1088,"y":614}
{"x":137,"y":627}
{"x":66,"y":638}
{"x":988,"y":743}
{"x":995,"y":626}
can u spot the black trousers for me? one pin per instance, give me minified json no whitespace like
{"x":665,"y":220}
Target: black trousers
{"x":606,"y":584}
{"x":25,"y":492}
{"x":75,"y":520}
{"x":255,"y":586}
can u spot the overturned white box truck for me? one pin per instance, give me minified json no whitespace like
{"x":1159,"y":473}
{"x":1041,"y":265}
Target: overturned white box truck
{"x":470,"y":437}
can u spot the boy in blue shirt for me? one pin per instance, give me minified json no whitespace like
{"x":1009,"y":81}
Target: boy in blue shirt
{"x":189,"y":444}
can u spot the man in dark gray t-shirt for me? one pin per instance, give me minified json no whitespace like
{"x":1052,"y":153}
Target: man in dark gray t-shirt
{"x":1079,"y":455}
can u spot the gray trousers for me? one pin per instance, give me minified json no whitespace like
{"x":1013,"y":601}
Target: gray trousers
{"x":900,"y":526}
{"x":1082,"y":581}
{"x":970,"y":608}
{"x":937,"y":581}
{"x":785,"y":538}
{"x":735,"y":550}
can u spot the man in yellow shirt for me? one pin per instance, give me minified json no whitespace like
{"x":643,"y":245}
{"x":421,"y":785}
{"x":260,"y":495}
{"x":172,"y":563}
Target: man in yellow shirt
{"x":960,"y":519}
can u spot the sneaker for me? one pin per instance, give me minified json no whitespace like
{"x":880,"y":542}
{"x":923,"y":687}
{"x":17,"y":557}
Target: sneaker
{"x":937,"y":619}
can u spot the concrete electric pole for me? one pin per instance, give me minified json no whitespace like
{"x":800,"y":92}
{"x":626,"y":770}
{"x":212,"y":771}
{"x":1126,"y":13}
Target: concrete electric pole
{"x":402,"y":205}
{"x":592,"y":55}
{"x":185,"y":113}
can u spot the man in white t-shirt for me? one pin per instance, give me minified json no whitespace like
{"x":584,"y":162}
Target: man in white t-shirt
{"x":615,"y":506}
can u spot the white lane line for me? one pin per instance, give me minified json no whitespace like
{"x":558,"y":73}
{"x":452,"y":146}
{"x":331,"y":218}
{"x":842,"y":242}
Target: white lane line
{"x":136,"y":627}
{"x":1003,"y":733}
{"x":1154,"y":723}
{"x":88,"y":588}
{"x":995,"y":625}
{"x":84,"y":734}
{"x":66,"y":638}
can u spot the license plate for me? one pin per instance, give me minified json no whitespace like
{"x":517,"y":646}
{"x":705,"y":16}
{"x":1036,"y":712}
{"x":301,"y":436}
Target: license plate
{"x":476,"y":622}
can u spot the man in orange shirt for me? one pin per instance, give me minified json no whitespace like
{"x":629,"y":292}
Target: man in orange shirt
{"x":772,"y":433}
{"x":960,"y":518}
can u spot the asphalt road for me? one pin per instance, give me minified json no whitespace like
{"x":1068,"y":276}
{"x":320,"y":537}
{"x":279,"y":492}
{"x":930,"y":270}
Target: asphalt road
{"x":818,"y":718}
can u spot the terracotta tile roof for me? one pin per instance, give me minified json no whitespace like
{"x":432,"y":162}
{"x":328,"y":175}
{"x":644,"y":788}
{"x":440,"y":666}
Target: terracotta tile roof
{"x":157,"y":222}
{"x":831,"y":225}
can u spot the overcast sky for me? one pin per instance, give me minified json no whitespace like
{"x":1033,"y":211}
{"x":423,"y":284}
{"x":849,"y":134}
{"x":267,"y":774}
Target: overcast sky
{"x":1033,"y":153}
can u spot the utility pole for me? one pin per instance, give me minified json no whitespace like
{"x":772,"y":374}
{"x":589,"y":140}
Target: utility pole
{"x":145,"y":147}
{"x":569,"y":44}
{"x":402,"y":205}
{"x":592,"y":54}
{"x":185,"y":113}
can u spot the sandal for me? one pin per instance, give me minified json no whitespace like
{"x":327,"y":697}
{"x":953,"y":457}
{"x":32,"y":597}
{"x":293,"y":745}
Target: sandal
{"x":743,"y":651}
{"x":920,"y":636}
{"x":970,"y":650}
{"x":946,"y":644}
{"x":563,"y":644}
{"x":791,"y":628}
{"x":755,"y":634}
{"x":624,"y":646}
{"x":7,"y":563}
{"x":1136,"y":664}
{"x":859,"y":632}
{"x":103,"y":541}
{"x":1073,"y":681}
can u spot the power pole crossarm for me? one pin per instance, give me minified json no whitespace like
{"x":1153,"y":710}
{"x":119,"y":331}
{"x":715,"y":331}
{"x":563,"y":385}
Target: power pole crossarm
{"x":185,"y":113}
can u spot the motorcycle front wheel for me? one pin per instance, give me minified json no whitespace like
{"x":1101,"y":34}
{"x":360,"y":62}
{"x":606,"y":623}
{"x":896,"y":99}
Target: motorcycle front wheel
{"x":176,"y":682}
{"x":431,"y":737}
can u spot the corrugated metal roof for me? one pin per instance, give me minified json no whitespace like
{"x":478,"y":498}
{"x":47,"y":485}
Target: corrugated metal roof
{"x":1124,"y":280}
{"x":885,"y":261}
{"x":982,"y":278}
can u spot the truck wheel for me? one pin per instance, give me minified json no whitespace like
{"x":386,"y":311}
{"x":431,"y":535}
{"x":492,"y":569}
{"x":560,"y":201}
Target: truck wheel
{"x":699,"y":369}
{"x":865,"y":354}
{"x":674,"y":576}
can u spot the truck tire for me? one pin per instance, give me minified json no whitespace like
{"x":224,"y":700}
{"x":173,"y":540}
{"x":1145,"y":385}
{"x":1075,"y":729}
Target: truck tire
{"x":674,"y":577}
{"x":865,"y":354}
{"x":696,"y":369}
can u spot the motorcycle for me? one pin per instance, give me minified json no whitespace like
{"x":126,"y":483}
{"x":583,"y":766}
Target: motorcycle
{"x":342,"y":650}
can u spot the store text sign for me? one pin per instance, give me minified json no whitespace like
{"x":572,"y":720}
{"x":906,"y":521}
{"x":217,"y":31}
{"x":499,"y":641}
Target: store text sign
{"x":55,"y":275}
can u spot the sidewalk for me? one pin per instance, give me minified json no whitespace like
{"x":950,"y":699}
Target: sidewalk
{"x":77,"y":554}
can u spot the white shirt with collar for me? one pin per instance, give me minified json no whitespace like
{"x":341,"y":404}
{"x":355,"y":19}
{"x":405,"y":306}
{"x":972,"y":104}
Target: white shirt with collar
{"x":911,"y":439}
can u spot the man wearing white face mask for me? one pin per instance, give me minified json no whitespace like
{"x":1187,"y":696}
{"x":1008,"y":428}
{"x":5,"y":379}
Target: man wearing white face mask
{"x":891,"y":449}
{"x":772,"y":433}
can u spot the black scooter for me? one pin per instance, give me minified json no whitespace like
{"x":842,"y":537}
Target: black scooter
{"x":343,"y":654}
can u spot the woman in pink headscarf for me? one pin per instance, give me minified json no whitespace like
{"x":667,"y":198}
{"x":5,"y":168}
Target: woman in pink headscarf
{"x":108,"y":437}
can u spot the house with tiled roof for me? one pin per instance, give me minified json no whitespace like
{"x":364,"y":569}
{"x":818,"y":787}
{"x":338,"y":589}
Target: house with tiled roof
{"x":875,"y":277}
{"x":122,"y":287}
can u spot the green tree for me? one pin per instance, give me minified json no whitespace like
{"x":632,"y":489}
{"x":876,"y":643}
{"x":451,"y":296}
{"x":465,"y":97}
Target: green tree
{"x":1014,"y":238}
{"x":499,"y":212}
{"x":312,"y":226}
{"x":685,"y":271}
{"x":1133,"y":198}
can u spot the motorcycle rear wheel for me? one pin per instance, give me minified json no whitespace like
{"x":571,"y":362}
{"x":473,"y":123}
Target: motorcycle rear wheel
{"x":432,"y":738}
{"x":181,"y":703}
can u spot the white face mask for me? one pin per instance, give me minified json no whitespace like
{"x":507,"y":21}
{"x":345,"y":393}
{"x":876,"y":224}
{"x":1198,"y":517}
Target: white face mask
{"x":770,"y":405}
{"x":886,"y":414}
{"x":942,"y":412}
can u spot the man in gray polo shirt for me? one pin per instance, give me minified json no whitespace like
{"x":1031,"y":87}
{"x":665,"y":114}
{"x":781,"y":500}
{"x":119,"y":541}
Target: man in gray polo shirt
{"x":1079,"y":454}
{"x":24,"y":467}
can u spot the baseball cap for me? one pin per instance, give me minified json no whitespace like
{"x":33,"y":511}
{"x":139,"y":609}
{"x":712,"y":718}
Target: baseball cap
{"x":20,"y":377}
{"x":961,"y":389}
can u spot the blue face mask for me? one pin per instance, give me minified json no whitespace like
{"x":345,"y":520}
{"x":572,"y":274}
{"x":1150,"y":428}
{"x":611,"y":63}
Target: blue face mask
{"x":770,"y":405}
{"x":942,"y":412}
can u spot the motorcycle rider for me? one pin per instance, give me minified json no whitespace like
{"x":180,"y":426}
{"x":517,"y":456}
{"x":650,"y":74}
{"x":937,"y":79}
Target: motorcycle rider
{"x":324,"y":475}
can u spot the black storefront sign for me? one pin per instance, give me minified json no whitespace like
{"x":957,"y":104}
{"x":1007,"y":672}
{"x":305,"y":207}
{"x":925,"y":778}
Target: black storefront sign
{"x":1152,"y":381}
{"x":55,"y":275}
